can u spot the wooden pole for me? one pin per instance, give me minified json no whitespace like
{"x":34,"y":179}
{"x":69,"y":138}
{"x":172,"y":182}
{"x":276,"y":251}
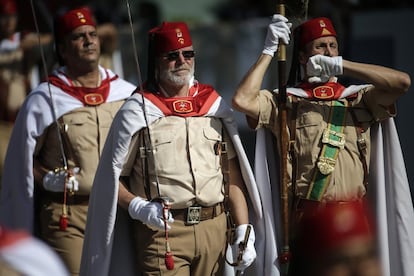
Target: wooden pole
{"x":284,"y":254}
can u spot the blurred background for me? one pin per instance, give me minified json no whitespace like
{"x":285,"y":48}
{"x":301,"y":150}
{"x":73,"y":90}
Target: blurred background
{"x":228,"y":37}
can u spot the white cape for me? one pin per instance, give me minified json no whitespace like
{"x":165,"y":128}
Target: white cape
{"x":107,"y":247}
{"x":35,"y":115}
{"x":388,"y":192}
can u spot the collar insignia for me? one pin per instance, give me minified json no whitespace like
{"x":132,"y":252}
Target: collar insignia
{"x":323,"y":92}
{"x":93,"y":99}
{"x":182,"y":106}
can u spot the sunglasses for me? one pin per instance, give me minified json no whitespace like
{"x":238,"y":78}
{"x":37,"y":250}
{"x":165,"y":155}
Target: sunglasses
{"x":176,"y":55}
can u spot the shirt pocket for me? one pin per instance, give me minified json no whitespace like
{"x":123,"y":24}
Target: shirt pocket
{"x":213,"y":139}
{"x":309,"y":129}
{"x":79,"y":129}
{"x":164,"y":150}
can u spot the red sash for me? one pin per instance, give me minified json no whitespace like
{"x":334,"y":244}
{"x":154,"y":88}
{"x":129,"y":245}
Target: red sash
{"x":191,"y":106}
{"x":88,"y":96}
{"x":325,"y":92}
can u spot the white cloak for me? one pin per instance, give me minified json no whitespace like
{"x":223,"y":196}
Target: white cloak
{"x":35,"y":115}
{"x":107,"y":246}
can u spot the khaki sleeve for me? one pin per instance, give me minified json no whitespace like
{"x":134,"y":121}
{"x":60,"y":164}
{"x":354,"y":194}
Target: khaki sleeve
{"x":379,"y":112}
{"x":268,"y":110}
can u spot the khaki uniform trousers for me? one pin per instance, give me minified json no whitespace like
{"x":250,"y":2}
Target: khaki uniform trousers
{"x":198,"y":249}
{"x":68,"y":244}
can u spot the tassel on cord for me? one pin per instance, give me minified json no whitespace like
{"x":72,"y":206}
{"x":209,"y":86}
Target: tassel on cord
{"x":169,"y":260}
{"x":168,"y":257}
{"x":63,"y":222}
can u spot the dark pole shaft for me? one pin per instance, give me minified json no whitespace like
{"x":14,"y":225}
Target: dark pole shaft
{"x":282,"y":59}
{"x":282,"y":99}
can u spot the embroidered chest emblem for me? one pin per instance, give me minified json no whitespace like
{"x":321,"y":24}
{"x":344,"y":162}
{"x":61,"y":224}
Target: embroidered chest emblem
{"x":323,"y":92}
{"x":93,"y":99}
{"x":182,"y":106}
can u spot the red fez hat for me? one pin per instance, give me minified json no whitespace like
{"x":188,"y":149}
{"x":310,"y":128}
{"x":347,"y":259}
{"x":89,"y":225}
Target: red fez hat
{"x":335,"y":224}
{"x":170,"y":36}
{"x":8,"y":237}
{"x":315,"y":28}
{"x":72,"y":19}
{"x":8,"y":7}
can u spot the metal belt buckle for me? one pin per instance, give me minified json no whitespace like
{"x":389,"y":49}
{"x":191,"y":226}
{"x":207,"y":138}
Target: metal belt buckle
{"x":328,"y":135}
{"x":326,"y":165}
{"x":193,"y":214}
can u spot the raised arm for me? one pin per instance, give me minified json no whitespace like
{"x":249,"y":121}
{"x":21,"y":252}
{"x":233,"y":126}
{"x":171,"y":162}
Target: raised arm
{"x":246,"y":97}
{"x":389,"y":84}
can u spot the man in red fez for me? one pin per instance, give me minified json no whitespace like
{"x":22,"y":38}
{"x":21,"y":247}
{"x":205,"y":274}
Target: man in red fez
{"x":334,"y":148}
{"x":336,"y":240}
{"x":58,"y":138}
{"x":175,"y":160}
{"x":66,"y":23}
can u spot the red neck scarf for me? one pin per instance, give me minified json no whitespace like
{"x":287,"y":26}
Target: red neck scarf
{"x":323,"y":92}
{"x":198,"y":103}
{"x":88,"y":96}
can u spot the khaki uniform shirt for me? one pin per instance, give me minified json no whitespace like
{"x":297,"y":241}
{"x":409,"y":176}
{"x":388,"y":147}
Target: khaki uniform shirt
{"x":84,"y":131}
{"x":187,"y":161}
{"x":312,"y":119}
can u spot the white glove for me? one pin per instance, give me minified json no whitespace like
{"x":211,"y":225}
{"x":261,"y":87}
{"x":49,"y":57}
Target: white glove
{"x":149,"y":212}
{"x":279,"y":28}
{"x":55,"y":181}
{"x":73,"y":183}
{"x":249,"y":254}
{"x":321,"y":68}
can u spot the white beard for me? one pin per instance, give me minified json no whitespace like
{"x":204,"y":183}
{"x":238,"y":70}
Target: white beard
{"x":177,"y":80}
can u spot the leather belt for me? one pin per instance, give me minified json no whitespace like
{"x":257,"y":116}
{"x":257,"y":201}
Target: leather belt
{"x":195,"y":214}
{"x":71,"y":199}
{"x":304,"y":204}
